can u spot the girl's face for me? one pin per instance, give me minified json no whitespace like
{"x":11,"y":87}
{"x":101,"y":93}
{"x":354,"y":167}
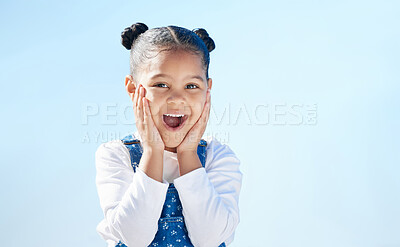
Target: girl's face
{"x":175,"y":83}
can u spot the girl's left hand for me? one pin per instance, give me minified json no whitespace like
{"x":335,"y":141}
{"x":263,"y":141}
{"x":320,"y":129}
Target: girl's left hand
{"x":193,"y":137}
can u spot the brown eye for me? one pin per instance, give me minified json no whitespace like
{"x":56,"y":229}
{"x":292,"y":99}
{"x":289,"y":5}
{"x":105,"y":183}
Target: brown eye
{"x":192,"y":86}
{"x":158,"y":85}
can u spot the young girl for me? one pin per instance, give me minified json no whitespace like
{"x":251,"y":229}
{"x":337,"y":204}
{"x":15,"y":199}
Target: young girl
{"x":164,"y":185}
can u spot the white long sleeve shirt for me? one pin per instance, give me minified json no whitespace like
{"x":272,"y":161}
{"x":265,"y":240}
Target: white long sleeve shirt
{"x":132,"y":202}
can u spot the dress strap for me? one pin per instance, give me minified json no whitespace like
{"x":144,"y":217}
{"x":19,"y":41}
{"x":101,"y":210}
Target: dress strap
{"x":202,"y":152}
{"x":135,"y":150}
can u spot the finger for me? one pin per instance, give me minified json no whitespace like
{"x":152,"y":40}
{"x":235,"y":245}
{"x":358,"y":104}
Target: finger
{"x":138,"y":115}
{"x":135,"y":102}
{"x":202,"y":119}
{"x":135,"y":99}
{"x":140,"y":105}
{"x":147,"y":113}
{"x":209,"y":105}
{"x":137,"y":95}
{"x":144,"y":100}
{"x":149,"y":120}
{"x":206,"y":110}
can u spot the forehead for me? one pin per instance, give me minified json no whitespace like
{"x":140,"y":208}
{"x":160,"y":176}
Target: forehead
{"x":178,"y":65}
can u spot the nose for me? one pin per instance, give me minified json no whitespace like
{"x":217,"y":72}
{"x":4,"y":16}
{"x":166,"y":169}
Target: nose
{"x":176,"y":98}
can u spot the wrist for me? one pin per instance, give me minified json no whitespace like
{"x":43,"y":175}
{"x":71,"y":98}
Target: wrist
{"x":186,"y":153}
{"x":188,"y":161}
{"x":152,"y":150}
{"x":151,"y":163}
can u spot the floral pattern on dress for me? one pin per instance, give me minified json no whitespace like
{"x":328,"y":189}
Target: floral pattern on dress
{"x":172,"y":230}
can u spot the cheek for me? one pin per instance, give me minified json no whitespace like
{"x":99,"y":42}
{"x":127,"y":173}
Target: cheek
{"x":201,"y":101}
{"x":198,"y":106}
{"x":154,"y":96}
{"x":154,"y":108}
{"x":151,"y":98}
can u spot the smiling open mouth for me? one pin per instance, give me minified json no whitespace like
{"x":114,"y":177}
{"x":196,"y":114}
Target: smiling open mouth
{"x":174,"y":121}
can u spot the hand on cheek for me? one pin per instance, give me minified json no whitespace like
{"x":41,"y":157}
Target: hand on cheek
{"x":151,"y":139}
{"x":192,"y":138}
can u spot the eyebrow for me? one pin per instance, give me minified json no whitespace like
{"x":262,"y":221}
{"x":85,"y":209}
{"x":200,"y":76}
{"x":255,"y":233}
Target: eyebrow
{"x":188,"y":77}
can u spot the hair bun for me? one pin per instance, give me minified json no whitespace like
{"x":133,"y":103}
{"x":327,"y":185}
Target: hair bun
{"x":131,"y":33}
{"x":202,"y":33}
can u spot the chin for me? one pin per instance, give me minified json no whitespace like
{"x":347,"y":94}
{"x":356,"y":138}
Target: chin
{"x":173,"y":139}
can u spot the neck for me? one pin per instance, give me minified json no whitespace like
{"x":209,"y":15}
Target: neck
{"x":170,"y":149}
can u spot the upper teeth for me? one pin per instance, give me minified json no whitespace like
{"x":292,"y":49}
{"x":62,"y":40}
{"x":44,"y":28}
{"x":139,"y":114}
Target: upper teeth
{"x":174,"y":115}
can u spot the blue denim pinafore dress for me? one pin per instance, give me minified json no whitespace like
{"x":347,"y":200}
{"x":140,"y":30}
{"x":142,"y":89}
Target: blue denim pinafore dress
{"x":171,"y":225}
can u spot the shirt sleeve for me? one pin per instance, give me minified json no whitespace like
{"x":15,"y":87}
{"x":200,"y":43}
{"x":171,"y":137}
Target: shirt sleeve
{"x":210,"y":197}
{"x":131,"y":202}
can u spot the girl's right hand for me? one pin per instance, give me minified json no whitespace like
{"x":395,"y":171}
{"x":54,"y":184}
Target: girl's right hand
{"x":151,"y":139}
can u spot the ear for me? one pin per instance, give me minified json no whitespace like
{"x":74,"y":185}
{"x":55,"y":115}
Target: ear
{"x":130,"y":86}
{"x":209,"y":83}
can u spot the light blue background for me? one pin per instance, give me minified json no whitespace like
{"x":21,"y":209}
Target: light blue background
{"x":333,"y":181}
